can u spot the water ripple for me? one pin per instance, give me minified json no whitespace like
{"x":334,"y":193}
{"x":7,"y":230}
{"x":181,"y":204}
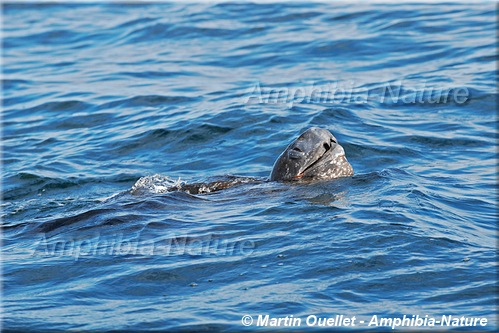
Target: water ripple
{"x":98,"y":96}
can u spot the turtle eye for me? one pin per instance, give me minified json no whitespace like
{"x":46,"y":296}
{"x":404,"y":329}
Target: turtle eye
{"x":327,"y":146}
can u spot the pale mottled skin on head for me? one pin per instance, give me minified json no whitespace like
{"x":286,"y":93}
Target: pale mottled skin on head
{"x":315,"y":154}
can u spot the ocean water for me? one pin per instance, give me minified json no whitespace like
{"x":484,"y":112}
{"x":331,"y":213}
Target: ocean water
{"x":97,"y":96}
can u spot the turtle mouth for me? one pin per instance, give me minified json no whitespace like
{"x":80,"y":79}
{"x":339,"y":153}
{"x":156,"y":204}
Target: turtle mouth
{"x":327,"y":148}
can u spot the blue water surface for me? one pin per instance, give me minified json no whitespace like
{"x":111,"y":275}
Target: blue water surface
{"x":96,"y":96}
